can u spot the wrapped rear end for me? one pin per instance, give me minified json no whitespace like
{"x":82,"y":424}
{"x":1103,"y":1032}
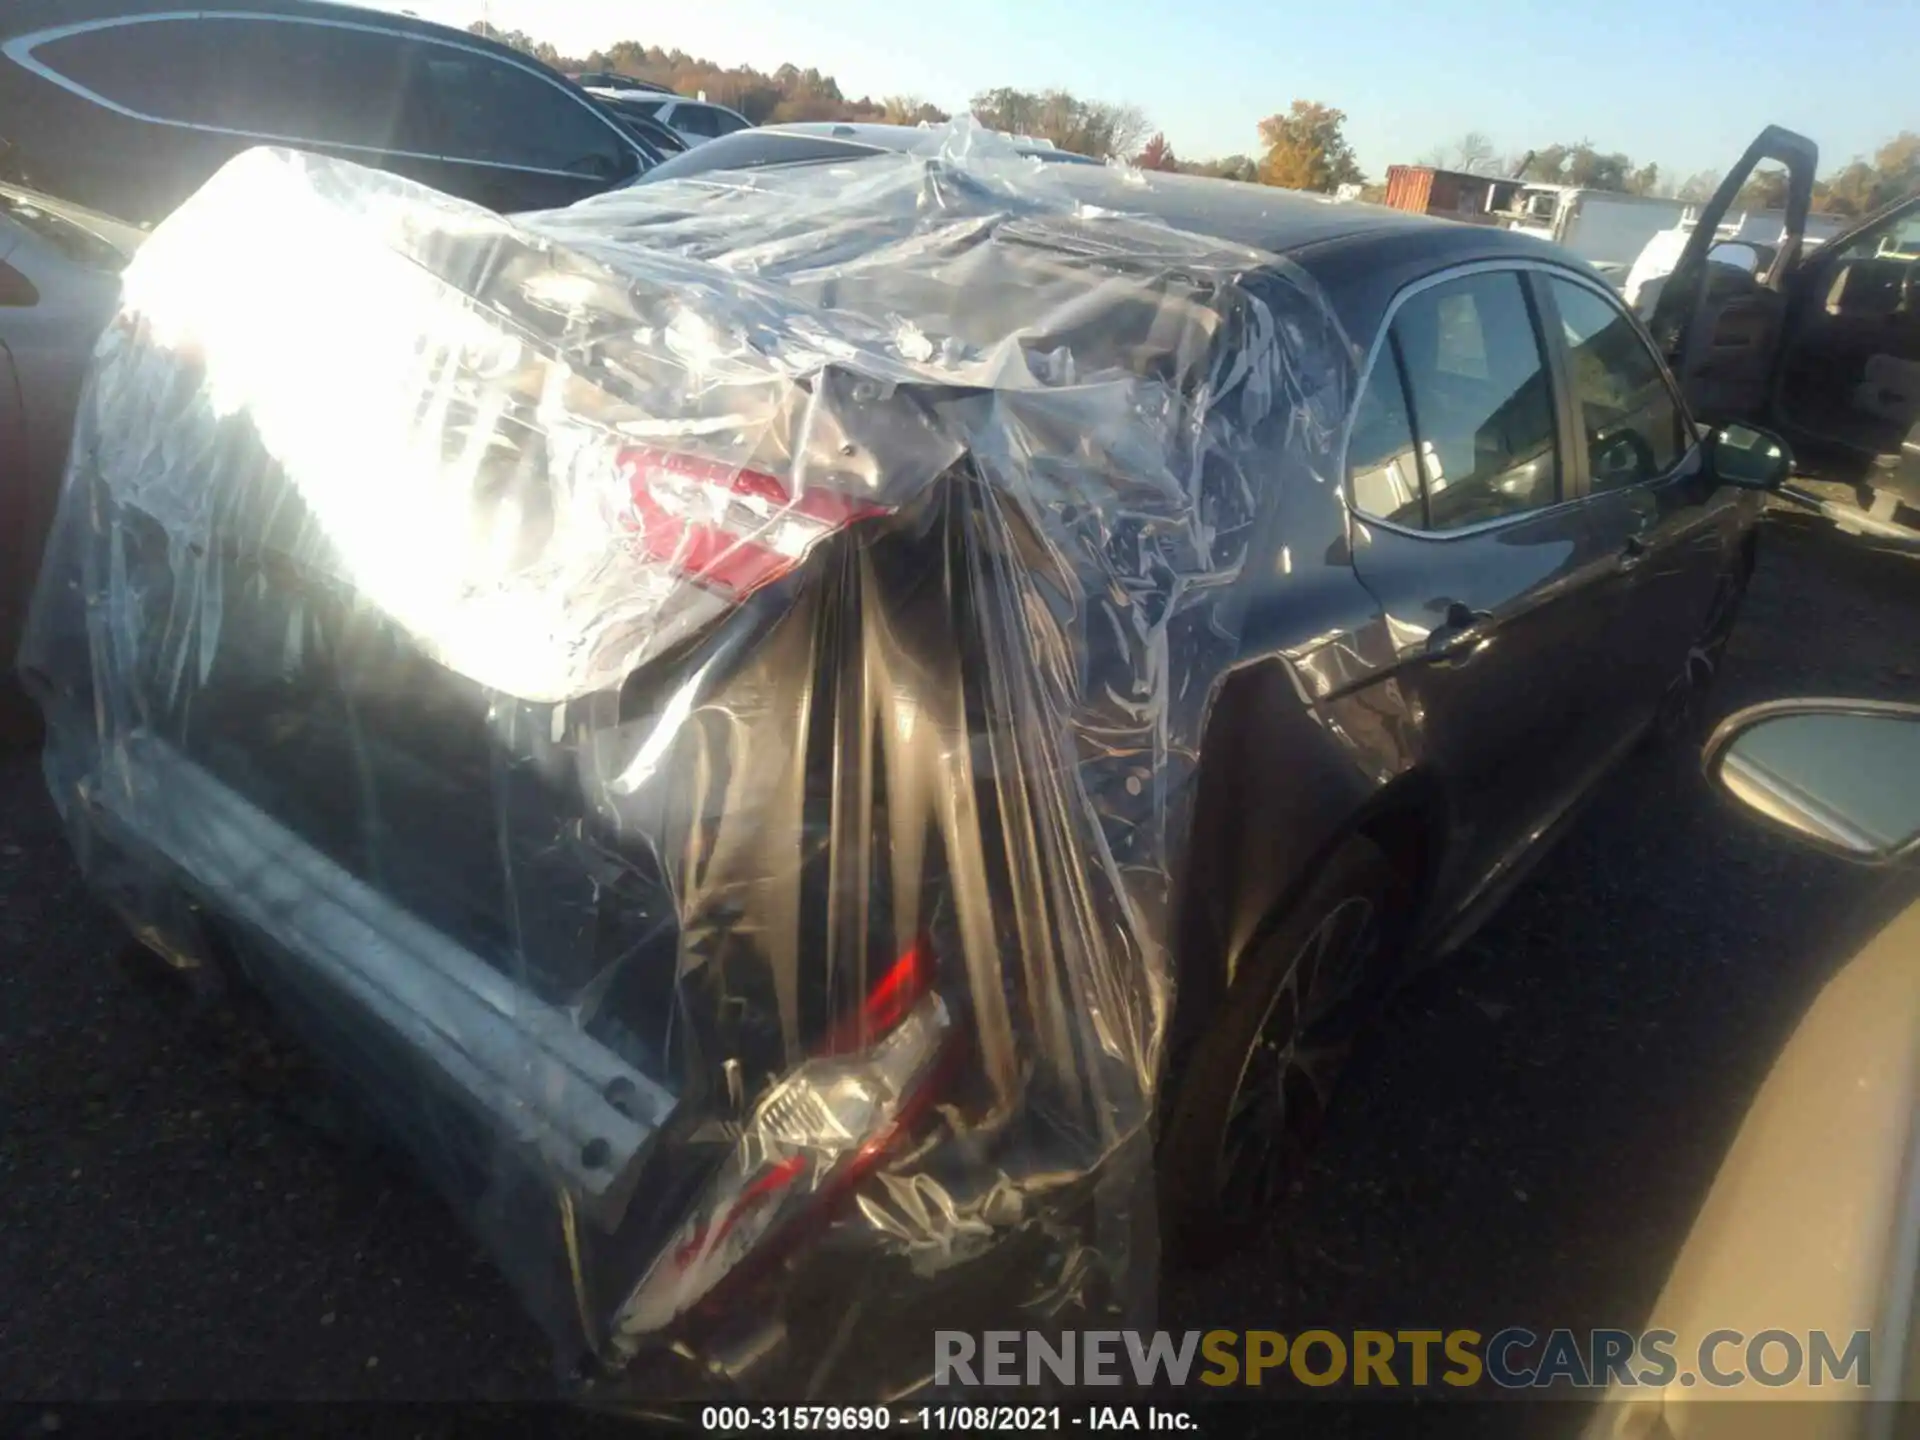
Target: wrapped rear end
{"x":689,"y":702}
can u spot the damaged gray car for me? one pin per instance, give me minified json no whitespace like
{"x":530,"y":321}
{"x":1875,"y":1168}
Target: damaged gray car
{"x":843,"y":748}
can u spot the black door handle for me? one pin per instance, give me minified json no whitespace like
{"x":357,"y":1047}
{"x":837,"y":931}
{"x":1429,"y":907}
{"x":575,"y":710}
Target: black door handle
{"x":1459,"y":635}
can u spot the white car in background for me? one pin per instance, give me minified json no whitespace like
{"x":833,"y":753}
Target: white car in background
{"x":694,"y":120}
{"x":1749,"y":241}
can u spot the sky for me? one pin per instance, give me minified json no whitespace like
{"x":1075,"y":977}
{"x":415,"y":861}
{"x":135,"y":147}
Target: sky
{"x":1684,"y":83}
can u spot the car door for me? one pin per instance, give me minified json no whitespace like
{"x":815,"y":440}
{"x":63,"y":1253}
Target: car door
{"x":1648,"y":490}
{"x":1492,"y":577}
{"x":1849,"y":372}
{"x":1720,"y":330}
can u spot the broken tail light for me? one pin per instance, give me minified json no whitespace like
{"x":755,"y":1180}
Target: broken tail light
{"x":809,"y":1141}
{"x":727,"y":529}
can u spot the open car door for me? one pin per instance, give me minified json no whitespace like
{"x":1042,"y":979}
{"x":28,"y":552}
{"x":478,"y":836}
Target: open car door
{"x":1847,"y":384}
{"x":1719,"y":327}
{"x":1821,"y":344}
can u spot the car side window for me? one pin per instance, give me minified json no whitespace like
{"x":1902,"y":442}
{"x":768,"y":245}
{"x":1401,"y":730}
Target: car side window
{"x":1383,"y":474}
{"x":164,"y":69}
{"x":725,"y":122}
{"x":702,"y":120}
{"x":468,"y":105}
{"x":1480,"y":398}
{"x":1632,"y":422}
{"x":324,"y":84}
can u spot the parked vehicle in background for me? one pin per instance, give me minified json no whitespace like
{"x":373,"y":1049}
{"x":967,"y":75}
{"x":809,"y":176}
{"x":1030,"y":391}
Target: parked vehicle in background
{"x":613,"y":80}
{"x":661,"y":141}
{"x":1605,"y":228}
{"x":1750,"y":240}
{"x":1823,"y":344}
{"x":127,"y":106}
{"x":819,"y":142}
{"x":695,"y":121}
{"x":745,"y":905}
{"x":1812,"y":1225}
{"x":59,"y":284}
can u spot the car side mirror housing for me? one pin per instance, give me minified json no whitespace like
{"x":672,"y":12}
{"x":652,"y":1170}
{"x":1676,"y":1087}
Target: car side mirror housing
{"x":1841,"y":775}
{"x":1748,"y":457}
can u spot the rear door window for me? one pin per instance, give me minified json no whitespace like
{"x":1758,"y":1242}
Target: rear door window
{"x":1383,"y":473}
{"x":1481,"y":400}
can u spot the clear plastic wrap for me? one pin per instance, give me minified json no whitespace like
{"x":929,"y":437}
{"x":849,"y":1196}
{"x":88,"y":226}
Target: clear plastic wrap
{"x":690,"y":702}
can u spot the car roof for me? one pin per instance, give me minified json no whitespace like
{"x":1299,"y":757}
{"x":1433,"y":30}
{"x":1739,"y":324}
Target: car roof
{"x":1361,"y":254}
{"x":882,"y":136}
{"x":822,"y":142}
{"x":21,"y":17}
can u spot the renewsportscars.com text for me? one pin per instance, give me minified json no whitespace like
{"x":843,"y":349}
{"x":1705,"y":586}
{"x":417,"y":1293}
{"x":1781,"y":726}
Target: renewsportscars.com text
{"x":1515,"y":1358}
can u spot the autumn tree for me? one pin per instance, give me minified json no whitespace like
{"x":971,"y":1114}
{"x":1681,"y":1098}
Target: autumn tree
{"x":1860,"y":187}
{"x":1307,"y":149}
{"x":1156,"y":154}
{"x":518,"y":40}
{"x":1698,"y":187}
{"x":790,"y":93}
{"x":1086,"y":127}
{"x":1227,"y":167}
{"x":1766,"y":189}
{"x":910,"y":110}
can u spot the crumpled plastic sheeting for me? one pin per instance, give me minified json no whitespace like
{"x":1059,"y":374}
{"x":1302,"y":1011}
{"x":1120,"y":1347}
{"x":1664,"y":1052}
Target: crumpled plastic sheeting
{"x":689,"y":701}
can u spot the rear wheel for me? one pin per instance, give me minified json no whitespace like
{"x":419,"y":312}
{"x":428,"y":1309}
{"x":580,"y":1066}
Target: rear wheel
{"x":1256,"y":1088}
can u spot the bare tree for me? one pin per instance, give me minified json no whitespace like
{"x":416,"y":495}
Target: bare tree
{"x":1087,"y":127}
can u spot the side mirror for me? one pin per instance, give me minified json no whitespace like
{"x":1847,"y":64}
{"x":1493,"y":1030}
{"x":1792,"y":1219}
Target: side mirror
{"x":1749,"y":457}
{"x":1740,"y":256}
{"x":1843,"y":775}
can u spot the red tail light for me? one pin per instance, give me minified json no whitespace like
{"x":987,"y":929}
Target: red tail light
{"x":809,"y":1143}
{"x":727,"y":529}
{"x":895,"y":993}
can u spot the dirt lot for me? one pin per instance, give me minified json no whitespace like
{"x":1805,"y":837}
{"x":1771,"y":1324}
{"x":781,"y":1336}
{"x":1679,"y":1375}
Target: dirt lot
{"x":1523,"y":1142}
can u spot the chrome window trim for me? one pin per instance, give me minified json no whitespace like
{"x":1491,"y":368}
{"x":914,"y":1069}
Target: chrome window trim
{"x":1516,"y":264}
{"x":20,"y":50}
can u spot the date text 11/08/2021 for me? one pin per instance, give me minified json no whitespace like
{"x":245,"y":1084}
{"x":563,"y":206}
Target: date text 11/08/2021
{"x":967,"y":1419}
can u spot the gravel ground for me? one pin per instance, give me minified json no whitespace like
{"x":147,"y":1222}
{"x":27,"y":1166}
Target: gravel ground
{"x":1524,"y":1140}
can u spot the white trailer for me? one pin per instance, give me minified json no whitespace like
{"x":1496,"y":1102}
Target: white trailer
{"x":1603,"y":227}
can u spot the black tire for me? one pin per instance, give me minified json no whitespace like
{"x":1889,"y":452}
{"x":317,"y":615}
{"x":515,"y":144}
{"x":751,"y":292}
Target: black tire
{"x":1248,"y":1103}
